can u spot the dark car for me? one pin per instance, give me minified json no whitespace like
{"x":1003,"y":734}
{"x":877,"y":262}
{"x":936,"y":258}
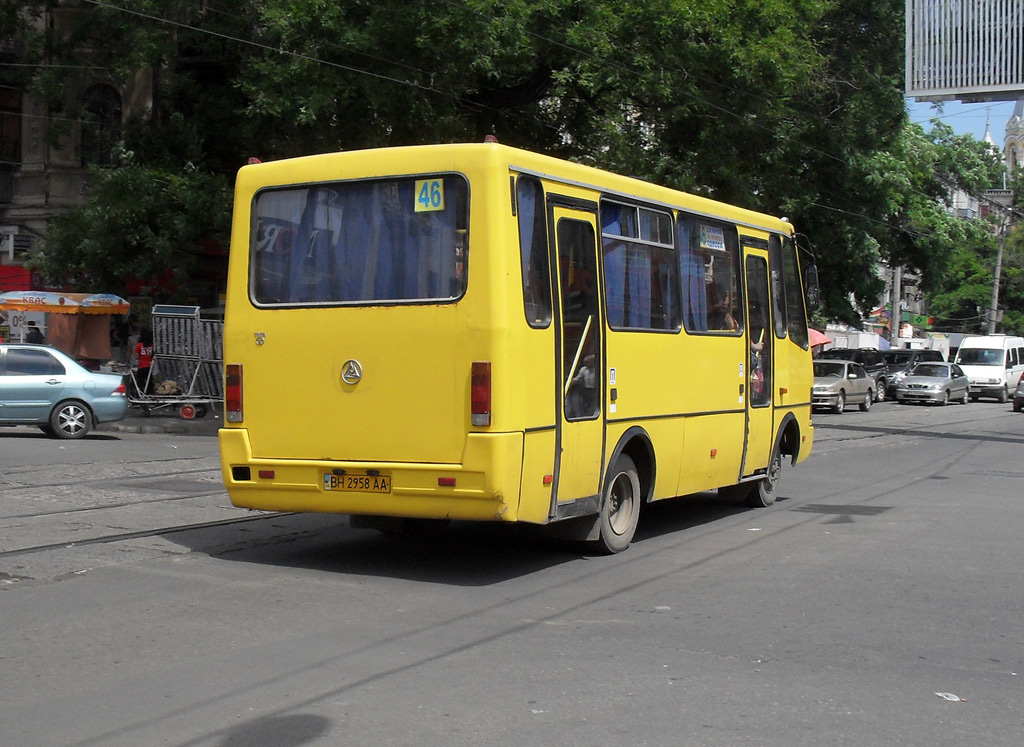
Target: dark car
{"x":1018,"y":396}
{"x":902,"y":360}
{"x":872,"y":361}
{"x":42,"y":386}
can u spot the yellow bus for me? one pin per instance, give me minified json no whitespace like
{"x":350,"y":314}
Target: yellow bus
{"x":478,"y":332}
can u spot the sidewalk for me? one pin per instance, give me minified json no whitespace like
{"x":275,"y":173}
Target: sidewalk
{"x":165,"y":420}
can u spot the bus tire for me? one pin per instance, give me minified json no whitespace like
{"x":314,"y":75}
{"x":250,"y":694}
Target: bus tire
{"x":762,"y":493}
{"x":620,"y":507}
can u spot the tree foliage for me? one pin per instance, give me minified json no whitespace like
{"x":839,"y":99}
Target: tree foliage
{"x":959,"y":287}
{"x":788,"y":106}
{"x":141,"y":224}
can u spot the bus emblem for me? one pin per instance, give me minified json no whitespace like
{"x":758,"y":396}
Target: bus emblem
{"x":351,"y":372}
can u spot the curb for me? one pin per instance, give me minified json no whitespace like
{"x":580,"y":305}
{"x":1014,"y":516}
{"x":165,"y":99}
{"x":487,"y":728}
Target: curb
{"x":155,"y":424}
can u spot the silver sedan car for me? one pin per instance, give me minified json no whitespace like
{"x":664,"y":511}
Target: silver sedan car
{"x":837,"y":383}
{"x":42,"y":386}
{"x":934,"y":382}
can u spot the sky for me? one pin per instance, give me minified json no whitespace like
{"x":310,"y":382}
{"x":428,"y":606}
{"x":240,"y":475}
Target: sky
{"x":965,"y":119}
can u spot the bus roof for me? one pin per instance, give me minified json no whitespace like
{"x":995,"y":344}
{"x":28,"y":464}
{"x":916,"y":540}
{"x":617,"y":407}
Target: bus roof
{"x":369,"y":163}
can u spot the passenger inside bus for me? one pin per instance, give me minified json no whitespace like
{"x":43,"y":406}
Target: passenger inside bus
{"x":760,"y":357}
{"x":582,"y":400}
{"x":723,"y":313}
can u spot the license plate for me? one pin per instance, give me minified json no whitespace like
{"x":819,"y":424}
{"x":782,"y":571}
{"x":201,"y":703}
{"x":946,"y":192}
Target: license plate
{"x":358,"y":482}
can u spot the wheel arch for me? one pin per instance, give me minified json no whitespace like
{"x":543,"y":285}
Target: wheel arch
{"x":787,"y":439}
{"x":636,"y":444}
{"x":74,"y":400}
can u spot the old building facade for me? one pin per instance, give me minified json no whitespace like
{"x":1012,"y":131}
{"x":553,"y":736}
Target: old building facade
{"x":45,"y":158}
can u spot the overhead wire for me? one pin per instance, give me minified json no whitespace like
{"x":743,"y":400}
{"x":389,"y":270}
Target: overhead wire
{"x":317,"y":60}
{"x":723,"y":110}
{"x":480,"y":106}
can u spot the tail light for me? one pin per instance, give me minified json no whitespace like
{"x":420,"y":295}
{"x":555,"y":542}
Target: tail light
{"x":120,"y":390}
{"x":233,"y":393}
{"x":480,"y":393}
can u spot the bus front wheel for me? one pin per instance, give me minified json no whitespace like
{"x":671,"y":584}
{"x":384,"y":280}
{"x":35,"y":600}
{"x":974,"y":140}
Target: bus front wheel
{"x":620,"y":508}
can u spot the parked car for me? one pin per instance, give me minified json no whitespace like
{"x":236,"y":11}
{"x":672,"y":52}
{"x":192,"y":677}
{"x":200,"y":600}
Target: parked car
{"x":934,"y":382}
{"x":870,"y":359}
{"x":838,"y":383}
{"x":1018,"y":396}
{"x":43,"y":386}
{"x":993,"y":363}
{"x":901,"y":360}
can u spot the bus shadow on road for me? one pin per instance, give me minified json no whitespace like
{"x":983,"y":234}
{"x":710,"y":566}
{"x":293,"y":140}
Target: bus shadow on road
{"x":459,"y":554}
{"x":676,"y":515}
{"x":462,"y":554}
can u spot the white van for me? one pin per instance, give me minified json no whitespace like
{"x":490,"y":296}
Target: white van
{"x":993,"y":364}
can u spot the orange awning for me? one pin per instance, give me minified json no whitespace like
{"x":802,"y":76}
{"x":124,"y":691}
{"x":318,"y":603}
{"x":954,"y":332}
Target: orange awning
{"x":63,"y":303}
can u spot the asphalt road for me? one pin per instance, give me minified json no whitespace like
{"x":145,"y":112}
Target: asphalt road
{"x":139,"y":608}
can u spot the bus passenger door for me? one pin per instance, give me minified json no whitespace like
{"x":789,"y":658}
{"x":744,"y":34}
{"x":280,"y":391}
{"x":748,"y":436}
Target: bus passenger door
{"x":760,"y":360}
{"x":579,"y":354}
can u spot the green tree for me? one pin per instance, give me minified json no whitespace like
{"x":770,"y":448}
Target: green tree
{"x":793,"y":107}
{"x":140,"y":223}
{"x":1011,"y":290}
{"x":960,"y":254}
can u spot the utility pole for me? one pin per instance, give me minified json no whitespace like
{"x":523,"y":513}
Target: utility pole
{"x":896,"y":316}
{"x":994,"y":305}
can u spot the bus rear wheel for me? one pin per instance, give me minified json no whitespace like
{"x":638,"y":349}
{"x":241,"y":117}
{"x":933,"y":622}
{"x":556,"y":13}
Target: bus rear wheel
{"x":620,"y":509}
{"x":762,"y":494}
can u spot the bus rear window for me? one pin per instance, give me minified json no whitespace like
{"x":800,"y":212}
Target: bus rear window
{"x":365,"y":242}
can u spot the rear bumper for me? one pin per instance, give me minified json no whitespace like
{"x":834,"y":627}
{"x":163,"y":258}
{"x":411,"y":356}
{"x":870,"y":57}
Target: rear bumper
{"x":486,"y":482}
{"x":107,"y":409}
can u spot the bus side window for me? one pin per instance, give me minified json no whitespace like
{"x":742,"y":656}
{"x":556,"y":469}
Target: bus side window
{"x":709,"y":270}
{"x":775,"y":269}
{"x":533,"y":251}
{"x":796,"y":316}
{"x":640,"y":268}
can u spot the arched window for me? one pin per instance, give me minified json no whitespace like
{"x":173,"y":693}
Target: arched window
{"x":101,"y":125}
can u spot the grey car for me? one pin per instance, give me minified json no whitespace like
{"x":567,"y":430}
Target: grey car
{"x":43,"y":386}
{"x":837,"y":383}
{"x":900,"y":362}
{"x":934,"y":382}
{"x":872,"y":361}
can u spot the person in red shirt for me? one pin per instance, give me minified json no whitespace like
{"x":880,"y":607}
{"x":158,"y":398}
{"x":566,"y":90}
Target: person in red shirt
{"x":143,"y":356}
